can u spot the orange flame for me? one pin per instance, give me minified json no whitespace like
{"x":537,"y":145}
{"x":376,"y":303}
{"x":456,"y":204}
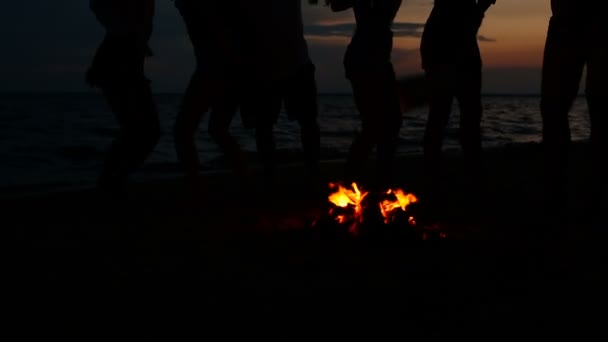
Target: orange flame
{"x":351,"y":199}
{"x":344,"y":198}
{"x":402,"y":201}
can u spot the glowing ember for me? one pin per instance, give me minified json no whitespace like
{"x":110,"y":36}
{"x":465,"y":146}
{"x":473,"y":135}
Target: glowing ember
{"x":401,"y":201}
{"x":348,"y":199}
{"x":412,"y":221}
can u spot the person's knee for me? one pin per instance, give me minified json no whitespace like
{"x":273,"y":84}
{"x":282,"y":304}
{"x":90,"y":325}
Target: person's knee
{"x":179,"y":135}
{"x":183,"y":130}
{"x":393,"y":124}
{"x":470,"y":122}
{"x":263,"y":135}
{"x":218,"y":133}
{"x":153,"y":135}
{"x":389,"y":133}
{"x":369,"y":136}
{"x":308,"y":124}
{"x":556,"y":106}
{"x":144,"y":138}
{"x":471,"y":125}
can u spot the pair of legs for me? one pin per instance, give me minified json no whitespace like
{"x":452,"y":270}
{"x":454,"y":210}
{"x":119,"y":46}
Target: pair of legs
{"x":134,"y":108}
{"x":221,"y":98}
{"x":213,"y":87}
{"x":446,"y":83}
{"x":118,"y":70}
{"x":570,"y":46}
{"x":377,"y":101}
{"x":299,"y":95}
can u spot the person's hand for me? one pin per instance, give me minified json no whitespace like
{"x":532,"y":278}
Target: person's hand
{"x":339,"y":5}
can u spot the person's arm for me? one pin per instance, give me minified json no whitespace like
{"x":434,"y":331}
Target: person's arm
{"x":339,"y":5}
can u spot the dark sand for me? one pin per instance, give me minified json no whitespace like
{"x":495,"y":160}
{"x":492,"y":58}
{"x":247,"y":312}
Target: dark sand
{"x":243,"y":265}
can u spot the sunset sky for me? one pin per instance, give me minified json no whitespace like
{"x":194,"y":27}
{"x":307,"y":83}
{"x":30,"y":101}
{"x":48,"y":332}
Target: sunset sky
{"x":47,"y":45}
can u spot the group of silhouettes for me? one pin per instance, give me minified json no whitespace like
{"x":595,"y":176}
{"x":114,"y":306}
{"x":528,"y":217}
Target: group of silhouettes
{"x":252,"y":58}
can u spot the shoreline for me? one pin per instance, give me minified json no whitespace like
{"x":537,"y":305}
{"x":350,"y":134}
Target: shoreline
{"x":168,"y":171}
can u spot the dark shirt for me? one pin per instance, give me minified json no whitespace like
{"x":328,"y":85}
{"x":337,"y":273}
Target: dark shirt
{"x":372,"y":42}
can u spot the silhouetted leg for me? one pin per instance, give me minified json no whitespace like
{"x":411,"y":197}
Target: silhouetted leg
{"x":197,"y":98}
{"x":440,"y":106}
{"x":219,"y":129}
{"x":266,"y":116}
{"x":597,"y":100}
{"x":365,"y":93}
{"x":133,"y":105}
{"x":563,"y":65}
{"x":144,"y":130}
{"x":113,"y":177}
{"x":389,"y":110}
{"x":195,"y":103}
{"x":301,"y":104}
{"x":469,"y":99}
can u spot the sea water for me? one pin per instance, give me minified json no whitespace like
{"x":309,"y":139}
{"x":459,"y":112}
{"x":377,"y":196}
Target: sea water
{"x":62,"y":138}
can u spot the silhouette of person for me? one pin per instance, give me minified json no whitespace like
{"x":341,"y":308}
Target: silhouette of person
{"x":576,"y":39}
{"x":283,"y":75}
{"x":214,"y":86}
{"x":118,"y":70}
{"x":368,"y":67}
{"x":452,"y":64}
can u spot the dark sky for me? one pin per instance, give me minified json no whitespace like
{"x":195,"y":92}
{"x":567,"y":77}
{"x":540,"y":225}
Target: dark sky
{"x":48,"y":44}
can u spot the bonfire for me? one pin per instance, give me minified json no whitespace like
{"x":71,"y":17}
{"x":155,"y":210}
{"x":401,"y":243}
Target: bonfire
{"x":348,"y":207}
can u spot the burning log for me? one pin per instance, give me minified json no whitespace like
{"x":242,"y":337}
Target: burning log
{"x":353,"y":212}
{"x":348,"y":208}
{"x":399,"y":200}
{"x":394,"y":213}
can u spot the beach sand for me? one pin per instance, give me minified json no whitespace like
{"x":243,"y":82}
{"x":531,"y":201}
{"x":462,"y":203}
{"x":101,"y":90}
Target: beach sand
{"x":241,"y":264}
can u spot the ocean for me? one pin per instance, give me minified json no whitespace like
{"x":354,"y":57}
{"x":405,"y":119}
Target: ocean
{"x":59,"y":140}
